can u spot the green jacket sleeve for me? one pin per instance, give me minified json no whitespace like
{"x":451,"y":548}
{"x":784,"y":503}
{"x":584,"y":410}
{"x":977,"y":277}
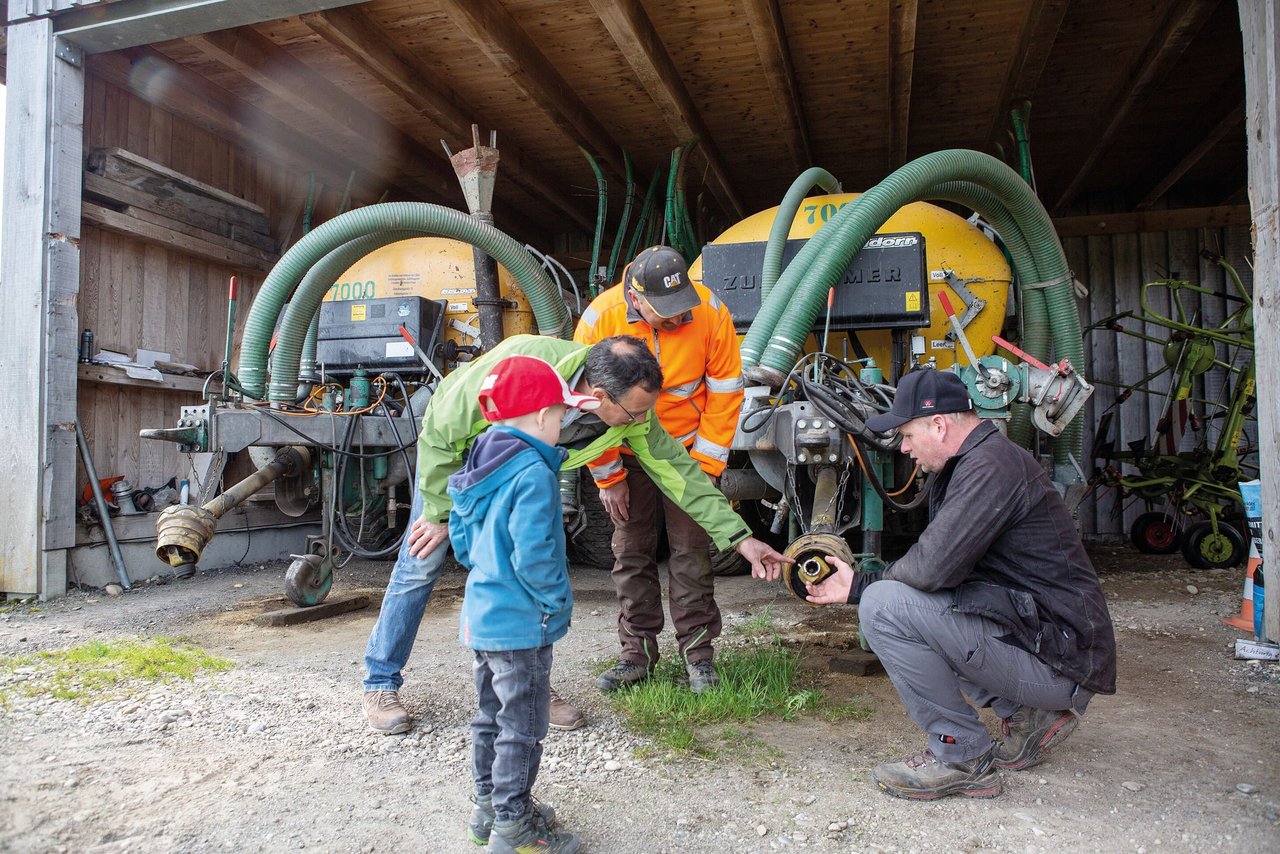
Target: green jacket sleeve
{"x":681,"y":479}
{"x":453,"y":418}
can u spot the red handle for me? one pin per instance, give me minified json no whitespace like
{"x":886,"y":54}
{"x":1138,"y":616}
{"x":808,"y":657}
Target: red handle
{"x":235,"y":281}
{"x":406,"y":335}
{"x":1021,"y":354}
{"x":946,"y":303}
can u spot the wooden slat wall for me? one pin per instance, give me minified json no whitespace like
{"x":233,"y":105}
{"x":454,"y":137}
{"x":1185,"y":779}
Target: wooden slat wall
{"x":135,"y":294}
{"x":1114,"y":268}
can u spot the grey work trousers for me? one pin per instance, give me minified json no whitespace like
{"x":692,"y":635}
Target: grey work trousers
{"x":933,"y":653}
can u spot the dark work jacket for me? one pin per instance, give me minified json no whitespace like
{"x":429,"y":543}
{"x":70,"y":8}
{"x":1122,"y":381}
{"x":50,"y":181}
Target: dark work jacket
{"x":1002,"y":539}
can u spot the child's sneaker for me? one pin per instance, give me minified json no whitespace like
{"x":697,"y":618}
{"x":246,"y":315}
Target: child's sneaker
{"x":526,"y":835}
{"x":480,"y":822}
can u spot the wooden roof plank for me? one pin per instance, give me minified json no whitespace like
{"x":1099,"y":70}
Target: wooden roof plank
{"x":1039,"y":32}
{"x":635,"y":36}
{"x":770,"y":35}
{"x":273,"y":68}
{"x":497,"y":34}
{"x":363,"y":42}
{"x":902,"y":54}
{"x":154,"y":78}
{"x":1167,"y":44}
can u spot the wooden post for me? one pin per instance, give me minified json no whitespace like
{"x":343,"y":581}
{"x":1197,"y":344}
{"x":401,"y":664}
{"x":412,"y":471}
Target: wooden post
{"x":1259,"y":22}
{"x":38,"y":323}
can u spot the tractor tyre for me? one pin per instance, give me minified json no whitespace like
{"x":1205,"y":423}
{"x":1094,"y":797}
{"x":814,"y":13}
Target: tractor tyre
{"x":1204,"y":549}
{"x":1155,"y":534}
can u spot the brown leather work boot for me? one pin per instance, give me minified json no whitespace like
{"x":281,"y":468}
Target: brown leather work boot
{"x":564,"y":715}
{"x":385,"y":713}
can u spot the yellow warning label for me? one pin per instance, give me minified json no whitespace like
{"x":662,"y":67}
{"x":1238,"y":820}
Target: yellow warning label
{"x":913,"y":301}
{"x":358,"y":310}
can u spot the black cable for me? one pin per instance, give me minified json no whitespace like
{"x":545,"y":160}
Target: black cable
{"x":884,"y":495}
{"x":338,"y":520}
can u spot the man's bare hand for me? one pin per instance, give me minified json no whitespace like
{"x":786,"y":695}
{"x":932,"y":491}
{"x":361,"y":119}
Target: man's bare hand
{"x":834,"y":589}
{"x":766,"y":562}
{"x":617,"y":500}
{"x":425,"y":537}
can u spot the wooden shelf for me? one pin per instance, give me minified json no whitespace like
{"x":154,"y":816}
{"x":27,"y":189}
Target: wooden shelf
{"x":90,"y":373}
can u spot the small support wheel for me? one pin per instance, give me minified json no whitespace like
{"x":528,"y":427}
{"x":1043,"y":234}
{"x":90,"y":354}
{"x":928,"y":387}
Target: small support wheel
{"x":1155,"y":534}
{"x":308,"y":580}
{"x":1205,"y":549}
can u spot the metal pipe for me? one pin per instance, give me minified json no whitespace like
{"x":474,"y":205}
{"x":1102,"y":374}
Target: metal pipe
{"x":477,"y":171}
{"x":826,"y":495}
{"x":182,"y":531}
{"x":103,"y":511}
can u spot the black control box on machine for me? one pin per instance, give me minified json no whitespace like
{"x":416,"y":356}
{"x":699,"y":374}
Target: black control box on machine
{"x":366,"y":334}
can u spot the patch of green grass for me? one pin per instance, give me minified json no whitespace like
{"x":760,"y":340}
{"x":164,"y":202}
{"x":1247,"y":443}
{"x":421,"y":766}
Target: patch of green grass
{"x":755,"y":682}
{"x":106,"y":670}
{"x":758,"y":625}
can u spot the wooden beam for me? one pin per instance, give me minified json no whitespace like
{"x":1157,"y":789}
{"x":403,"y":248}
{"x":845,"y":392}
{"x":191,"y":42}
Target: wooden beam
{"x":130,"y":23}
{"x":360,"y":39}
{"x":1260,"y":26}
{"x":259,"y":59}
{"x":1231,"y":122}
{"x":902,"y":59}
{"x":211,"y":247}
{"x":490,"y":26}
{"x":1035,"y":42}
{"x":1179,"y":27}
{"x":1175,"y":219}
{"x":40,"y":268}
{"x":770,"y":35}
{"x":635,"y":36}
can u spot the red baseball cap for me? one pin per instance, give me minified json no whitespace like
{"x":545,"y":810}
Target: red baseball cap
{"x":519,"y":385}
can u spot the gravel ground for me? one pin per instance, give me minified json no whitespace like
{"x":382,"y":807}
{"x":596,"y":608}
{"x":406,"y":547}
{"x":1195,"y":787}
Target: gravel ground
{"x":274,"y":754}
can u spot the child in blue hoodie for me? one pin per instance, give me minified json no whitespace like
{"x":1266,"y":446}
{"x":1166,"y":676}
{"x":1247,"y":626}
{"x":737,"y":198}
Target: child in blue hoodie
{"x":506,"y":529}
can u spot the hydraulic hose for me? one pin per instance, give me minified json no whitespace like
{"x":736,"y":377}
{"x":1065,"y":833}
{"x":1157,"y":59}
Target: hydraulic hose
{"x":788,"y":315}
{"x":602,"y":206}
{"x":417,"y":217}
{"x":620,"y":235}
{"x":800,"y":187}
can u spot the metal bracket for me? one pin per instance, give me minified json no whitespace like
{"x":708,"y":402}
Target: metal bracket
{"x":972,"y":304}
{"x":68,"y":52}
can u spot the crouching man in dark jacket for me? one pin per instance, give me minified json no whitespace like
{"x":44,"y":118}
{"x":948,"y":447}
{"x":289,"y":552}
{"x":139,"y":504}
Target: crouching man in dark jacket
{"x":997,"y":599}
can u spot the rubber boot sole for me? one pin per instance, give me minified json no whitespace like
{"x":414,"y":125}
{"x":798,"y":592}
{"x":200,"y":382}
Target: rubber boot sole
{"x":985,"y":788}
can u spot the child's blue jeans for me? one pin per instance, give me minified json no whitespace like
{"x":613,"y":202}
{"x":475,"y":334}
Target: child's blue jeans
{"x":514,"y":689}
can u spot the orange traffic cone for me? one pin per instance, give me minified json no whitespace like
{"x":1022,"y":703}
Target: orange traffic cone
{"x":1244,"y":620}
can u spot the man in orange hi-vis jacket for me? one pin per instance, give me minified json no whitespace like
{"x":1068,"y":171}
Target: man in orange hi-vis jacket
{"x":692,"y":334}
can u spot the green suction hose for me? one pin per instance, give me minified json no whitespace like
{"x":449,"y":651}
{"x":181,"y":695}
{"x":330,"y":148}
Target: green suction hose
{"x":304,"y":308}
{"x":809,"y":178}
{"x":788,"y":315}
{"x":417,"y":217}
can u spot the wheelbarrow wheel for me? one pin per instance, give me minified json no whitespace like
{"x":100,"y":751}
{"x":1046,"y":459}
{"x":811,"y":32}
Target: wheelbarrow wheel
{"x":1155,"y":534}
{"x":1205,"y":549}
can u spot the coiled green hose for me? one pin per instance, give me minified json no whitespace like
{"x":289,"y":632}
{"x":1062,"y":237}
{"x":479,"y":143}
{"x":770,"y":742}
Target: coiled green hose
{"x":305,"y":307}
{"x":417,"y":217}
{"x":813,"y":177}
{"x":787,"y":317}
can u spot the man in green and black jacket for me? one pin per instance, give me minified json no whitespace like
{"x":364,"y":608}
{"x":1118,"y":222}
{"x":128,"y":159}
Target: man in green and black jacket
{"x":625,"y":377}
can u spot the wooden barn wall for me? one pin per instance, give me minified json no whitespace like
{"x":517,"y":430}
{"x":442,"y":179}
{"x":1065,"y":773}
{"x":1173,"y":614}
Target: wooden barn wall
{"x":1114,"y":268}
{"x":135,"y":294}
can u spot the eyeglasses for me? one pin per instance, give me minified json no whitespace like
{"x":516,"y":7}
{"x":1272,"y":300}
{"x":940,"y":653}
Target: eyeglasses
{"x":631,"y":416}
